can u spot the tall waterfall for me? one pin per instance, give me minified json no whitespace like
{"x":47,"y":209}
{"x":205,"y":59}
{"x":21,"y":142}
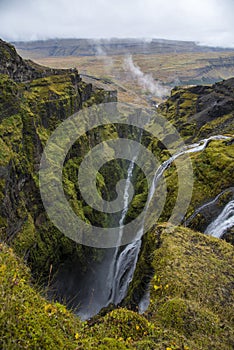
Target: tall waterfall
{"x":124,"y":262}
{"x":125,"y":258}
{"x":193,"y":148}
{"x":224,"y":221}
{"x":111,"y":279}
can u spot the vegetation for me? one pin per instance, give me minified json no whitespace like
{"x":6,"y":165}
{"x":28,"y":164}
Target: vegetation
{"x":189,"y":275}
{"x":188,"y":310}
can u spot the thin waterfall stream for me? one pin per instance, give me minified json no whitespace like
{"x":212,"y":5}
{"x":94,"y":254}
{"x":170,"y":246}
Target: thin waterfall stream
{"x":124,"y":259}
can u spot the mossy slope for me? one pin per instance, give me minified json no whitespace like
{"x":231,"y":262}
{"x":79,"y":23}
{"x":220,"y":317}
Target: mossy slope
{"x":188,"y":309}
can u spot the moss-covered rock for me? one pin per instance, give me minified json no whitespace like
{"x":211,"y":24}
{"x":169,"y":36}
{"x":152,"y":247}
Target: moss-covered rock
{"x":34,"y":100}
{"x":201,"y":111}
{"x":192,"y":288}
{"x":188,"y":309}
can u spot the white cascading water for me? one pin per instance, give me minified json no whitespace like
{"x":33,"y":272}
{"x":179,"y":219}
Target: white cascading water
{"x":120,"y":264}
{"x":115,"y":278}
{"x":223,"y":222}
{"x":204,"y":206}
{"x":193,"y":148}
{"x":124,"y":262}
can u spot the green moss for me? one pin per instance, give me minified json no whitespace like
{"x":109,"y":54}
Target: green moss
{"x":9,"y":97}
{"x":26,"y":239}
{"x":216,"y":159}
{"x":216,"y":126}
{"x":193,"y":113}
{"x":28,"y":320}
{"x":5,"y":153}
{"x":197,"y":305}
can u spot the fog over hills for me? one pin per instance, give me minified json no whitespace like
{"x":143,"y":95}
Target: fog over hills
{"x":115,"y":46}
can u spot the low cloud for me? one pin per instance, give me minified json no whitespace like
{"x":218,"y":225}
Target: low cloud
{"x":146,"y":81}
{"x":102,"y":56}
{"x":209,"y":21}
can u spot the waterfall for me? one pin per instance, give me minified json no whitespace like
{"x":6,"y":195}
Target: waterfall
{"x":204,"y":206}
{"x":193,"y":148}
{"x":125,"y":267}
{"x":120,"y":273}
{"x":124,"y":262}
{"x":223,"y":222}
{"x":144,"y":302}
{"x":111,"y":278}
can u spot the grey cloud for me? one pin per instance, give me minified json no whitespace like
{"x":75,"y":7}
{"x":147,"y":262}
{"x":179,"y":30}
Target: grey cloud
{"x":209,"y":21}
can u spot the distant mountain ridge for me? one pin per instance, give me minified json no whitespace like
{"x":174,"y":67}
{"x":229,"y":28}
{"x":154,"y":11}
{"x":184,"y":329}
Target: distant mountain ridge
{"x":92,"y":47}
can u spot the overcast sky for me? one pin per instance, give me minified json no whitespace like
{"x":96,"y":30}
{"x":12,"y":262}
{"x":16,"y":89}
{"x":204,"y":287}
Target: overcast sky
{"x":206,"y":21}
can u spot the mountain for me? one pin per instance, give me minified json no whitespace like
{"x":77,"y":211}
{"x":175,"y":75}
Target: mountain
{"x":179,"y":294}
{"x":92,"y":47}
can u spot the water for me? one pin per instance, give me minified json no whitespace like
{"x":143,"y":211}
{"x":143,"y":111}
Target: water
{"x":223,"y":222}
{"x":124,"y":262}
{"x":204,"y":206}
{"x":193,"y":148}
{"x":117,"y":268}
{"x":120,"y":273}
{"x":144,"y":302}
{"x":125,"y":267}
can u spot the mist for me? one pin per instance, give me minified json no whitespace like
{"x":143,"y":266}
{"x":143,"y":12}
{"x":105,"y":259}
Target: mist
{"x":146,"y":81}
{"x":102,"y":56}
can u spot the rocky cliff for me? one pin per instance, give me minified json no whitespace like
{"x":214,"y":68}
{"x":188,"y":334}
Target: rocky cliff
{"x":189,"y":276}
{"x":33,"y":101}
{"x":201,"y":111}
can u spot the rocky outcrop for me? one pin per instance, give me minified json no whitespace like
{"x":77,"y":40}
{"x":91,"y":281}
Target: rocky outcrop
{"x":201,"y":111}
{"x":21,"y":70}
{"x":190,"y":305}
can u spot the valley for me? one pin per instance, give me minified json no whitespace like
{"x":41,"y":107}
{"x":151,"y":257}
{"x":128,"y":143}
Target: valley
{"x":134,"y":67}
{"x":171,"y":285}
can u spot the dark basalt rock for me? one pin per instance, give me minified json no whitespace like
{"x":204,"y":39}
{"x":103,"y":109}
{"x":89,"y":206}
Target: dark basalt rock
{"x":21,"y":70}
{"x":201,"y":111}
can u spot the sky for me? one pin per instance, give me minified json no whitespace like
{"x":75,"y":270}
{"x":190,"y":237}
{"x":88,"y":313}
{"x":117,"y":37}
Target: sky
{"x":209,"y":22}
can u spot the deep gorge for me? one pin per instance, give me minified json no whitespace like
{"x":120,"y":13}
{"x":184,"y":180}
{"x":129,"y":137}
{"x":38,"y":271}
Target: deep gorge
{"x":34,"y":101}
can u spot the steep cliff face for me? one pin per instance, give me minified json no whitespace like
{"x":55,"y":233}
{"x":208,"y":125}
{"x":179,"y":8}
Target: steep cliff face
{"x":33,"y":101}
{"x":20,"y":70}
{"x":201,"y":111}
{"x":189,"y":276}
